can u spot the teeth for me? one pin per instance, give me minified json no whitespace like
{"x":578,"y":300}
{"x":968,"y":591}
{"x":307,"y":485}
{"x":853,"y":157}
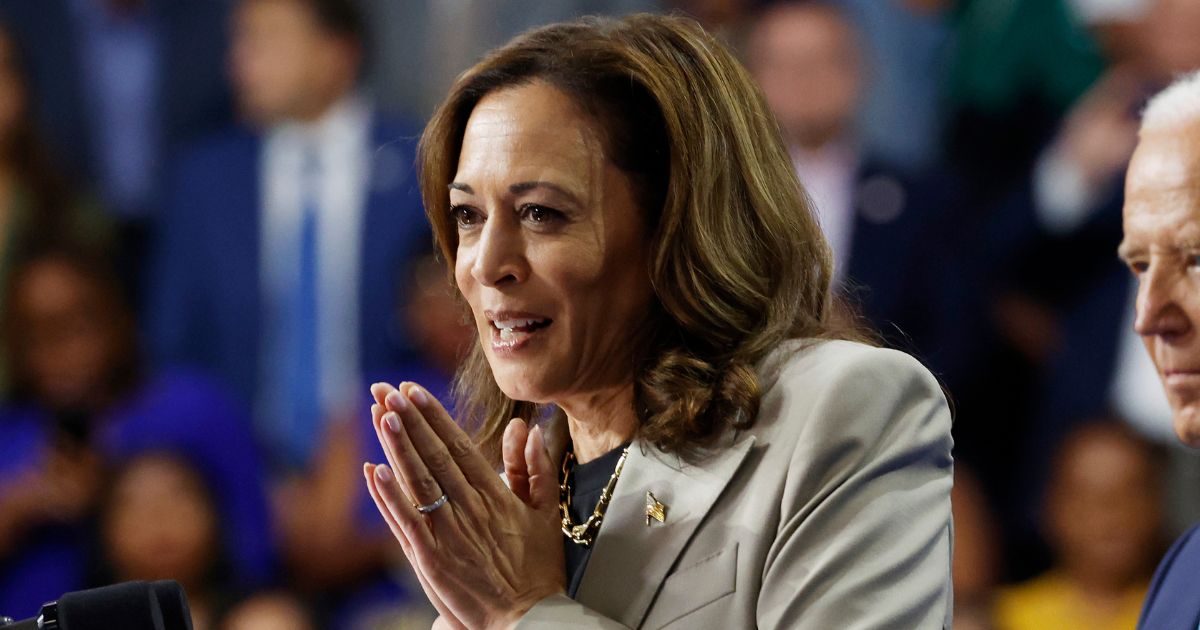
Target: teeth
{"x":507,"y":334}
{"x":515,"y":323}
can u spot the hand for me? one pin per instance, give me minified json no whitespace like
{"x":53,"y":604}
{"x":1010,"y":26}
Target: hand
{"x":380,"y":391}
{"x":490,"y":553}
{"x":1101,"y":131}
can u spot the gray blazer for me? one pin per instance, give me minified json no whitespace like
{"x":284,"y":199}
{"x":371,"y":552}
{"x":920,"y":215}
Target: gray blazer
{"x":831,"y":512}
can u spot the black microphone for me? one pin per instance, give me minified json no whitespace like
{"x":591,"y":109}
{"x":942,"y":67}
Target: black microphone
{"x":159,"y":605}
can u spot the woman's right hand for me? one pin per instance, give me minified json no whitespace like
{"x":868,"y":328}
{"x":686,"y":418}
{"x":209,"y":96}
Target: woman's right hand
{"x":446,"y":620}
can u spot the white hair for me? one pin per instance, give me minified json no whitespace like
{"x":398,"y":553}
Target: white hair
{"x":1175,"y":107}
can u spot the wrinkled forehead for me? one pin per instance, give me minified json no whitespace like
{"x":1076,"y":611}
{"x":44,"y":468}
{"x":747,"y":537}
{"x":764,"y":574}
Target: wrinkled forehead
{"x":1164,"y":174}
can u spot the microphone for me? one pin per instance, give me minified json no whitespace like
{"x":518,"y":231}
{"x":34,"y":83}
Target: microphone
{"x":158,"y":605}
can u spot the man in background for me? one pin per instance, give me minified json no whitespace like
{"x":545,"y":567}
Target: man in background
{"x":1161,"y":246}
{"x":889,"y":227}
{"x":283,"y":241}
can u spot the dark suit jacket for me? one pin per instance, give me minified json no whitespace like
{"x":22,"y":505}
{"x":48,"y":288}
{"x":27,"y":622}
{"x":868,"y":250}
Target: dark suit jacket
{"x":205,"y":307}
{"x":907,"y":271}
{"x":1173,"y":602}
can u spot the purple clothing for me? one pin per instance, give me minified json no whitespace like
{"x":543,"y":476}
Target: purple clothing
{"x":177,"y":412}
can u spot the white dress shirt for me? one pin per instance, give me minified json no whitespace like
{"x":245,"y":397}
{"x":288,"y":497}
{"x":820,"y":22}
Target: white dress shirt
{"x":829,"y":176}
{"x":339,"y":142}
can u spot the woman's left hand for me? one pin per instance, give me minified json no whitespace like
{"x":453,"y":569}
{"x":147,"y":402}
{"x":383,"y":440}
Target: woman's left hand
{"x":486,"y":556}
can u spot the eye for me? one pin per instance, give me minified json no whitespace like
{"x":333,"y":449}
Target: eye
{"x":1138,"y":267}
{"x":465,"y":216}
{"x":535,"y":213}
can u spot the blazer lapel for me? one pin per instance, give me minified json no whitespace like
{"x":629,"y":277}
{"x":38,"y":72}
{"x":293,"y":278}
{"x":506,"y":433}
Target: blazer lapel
{"x":631,"y":559}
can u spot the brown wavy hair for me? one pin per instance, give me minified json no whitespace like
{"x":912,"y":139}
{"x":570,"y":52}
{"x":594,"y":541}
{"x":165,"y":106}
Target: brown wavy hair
{"x":738,"y":262}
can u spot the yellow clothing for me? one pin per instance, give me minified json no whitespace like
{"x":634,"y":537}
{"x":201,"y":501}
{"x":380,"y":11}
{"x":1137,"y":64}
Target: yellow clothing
{"x":1050,"y":602}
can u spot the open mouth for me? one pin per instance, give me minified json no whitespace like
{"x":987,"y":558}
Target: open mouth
{"x":509,"y":329}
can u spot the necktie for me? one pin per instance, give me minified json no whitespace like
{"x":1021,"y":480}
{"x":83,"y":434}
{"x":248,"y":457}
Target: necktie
{"x":302,"y":389}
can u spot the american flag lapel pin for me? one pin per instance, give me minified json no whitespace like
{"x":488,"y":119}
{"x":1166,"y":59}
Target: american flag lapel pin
{"x":655,"y":509}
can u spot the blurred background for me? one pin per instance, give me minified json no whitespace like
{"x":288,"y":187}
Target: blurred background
{"x":211,"y":243}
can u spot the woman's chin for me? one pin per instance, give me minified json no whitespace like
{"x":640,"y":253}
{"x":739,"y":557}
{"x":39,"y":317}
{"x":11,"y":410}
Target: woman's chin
{"x":521,"y":389}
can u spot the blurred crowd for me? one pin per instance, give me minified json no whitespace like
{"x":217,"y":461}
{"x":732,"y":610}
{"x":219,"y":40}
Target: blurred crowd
{"x":212,"y":242}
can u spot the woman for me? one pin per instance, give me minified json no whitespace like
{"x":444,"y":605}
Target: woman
{"x":650,"y":287}
{"x":37,"y":204}
{"x":82,"y":403}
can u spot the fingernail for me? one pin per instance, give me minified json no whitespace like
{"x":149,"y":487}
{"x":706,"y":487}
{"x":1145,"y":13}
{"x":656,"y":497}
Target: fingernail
{"x":418,"y":396}
{"x":392,"y":421}
{"x":397,"y":400}
{"x":382,"y":473}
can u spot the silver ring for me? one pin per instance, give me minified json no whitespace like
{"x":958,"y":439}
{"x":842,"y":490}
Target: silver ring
{"x":426,"y":509}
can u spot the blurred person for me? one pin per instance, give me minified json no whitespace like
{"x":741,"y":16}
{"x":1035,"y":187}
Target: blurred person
{"x":160,"y":521}
{"x":716,"y":16}
{"x":283,"y":242}
{"x":1015,"y":68}
{"x":1103,"y":517}
{"x":339,"y":554}
{"x":903,"y":114}
{"x":124,"y":84}
{"x":977,"y":551}
{"x":83,"y":400}
{"x":36,"y":203}
{"x":1161,"y":220}
{"x":272,"y":610}
{"x":442,"y":334}
{"x":891,"y":229}
{"x":418,"y":47}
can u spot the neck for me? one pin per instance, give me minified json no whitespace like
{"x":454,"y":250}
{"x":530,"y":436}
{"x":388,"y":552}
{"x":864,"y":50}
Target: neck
{"x":1097,"y":589}
{"x":601,"y":422}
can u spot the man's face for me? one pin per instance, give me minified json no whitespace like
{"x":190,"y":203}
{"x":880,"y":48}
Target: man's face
{"x":1162,"y":248}
{"x":807,"y":61}
{"x":282,"y":63}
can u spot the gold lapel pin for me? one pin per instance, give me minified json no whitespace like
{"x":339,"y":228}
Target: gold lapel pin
{"x":655,"y":510}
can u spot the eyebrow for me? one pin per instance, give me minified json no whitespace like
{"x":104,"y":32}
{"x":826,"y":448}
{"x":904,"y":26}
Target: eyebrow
{"x":521,"y":187}
{"x":1126,"y":250}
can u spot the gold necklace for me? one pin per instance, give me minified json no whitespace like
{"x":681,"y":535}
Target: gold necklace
{"x":584,"y":533}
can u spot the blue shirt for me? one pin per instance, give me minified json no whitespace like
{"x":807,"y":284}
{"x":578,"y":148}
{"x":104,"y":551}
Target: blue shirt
{"x":120,"y":55}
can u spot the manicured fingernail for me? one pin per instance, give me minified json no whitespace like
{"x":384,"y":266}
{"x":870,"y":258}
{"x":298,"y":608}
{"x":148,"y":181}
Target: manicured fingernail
{"x":418,"y":396}
{"x":382,"y":473}
{"x":397,"y":401}
{"x":392,"y":421}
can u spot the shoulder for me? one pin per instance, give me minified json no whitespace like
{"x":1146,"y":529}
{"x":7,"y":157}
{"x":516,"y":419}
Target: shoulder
{"x":1172,"y":592}
{"x":1184,"y":555}
{"x":818,"y":368}
{"x":850,"y":400}
{"x":179,"y":404}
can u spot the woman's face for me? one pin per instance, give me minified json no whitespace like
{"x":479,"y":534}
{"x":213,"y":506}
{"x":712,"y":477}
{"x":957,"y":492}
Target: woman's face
{"x":70,"y":344}
{"x":552,"y":251}
{"x":160,"y":523}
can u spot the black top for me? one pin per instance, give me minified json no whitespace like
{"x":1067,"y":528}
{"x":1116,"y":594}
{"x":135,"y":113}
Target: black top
{"x":587,"y":483}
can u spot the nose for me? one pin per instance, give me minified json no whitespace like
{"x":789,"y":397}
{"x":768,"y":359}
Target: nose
{"x":1159,"y":312}
{"x":500,"y":254}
